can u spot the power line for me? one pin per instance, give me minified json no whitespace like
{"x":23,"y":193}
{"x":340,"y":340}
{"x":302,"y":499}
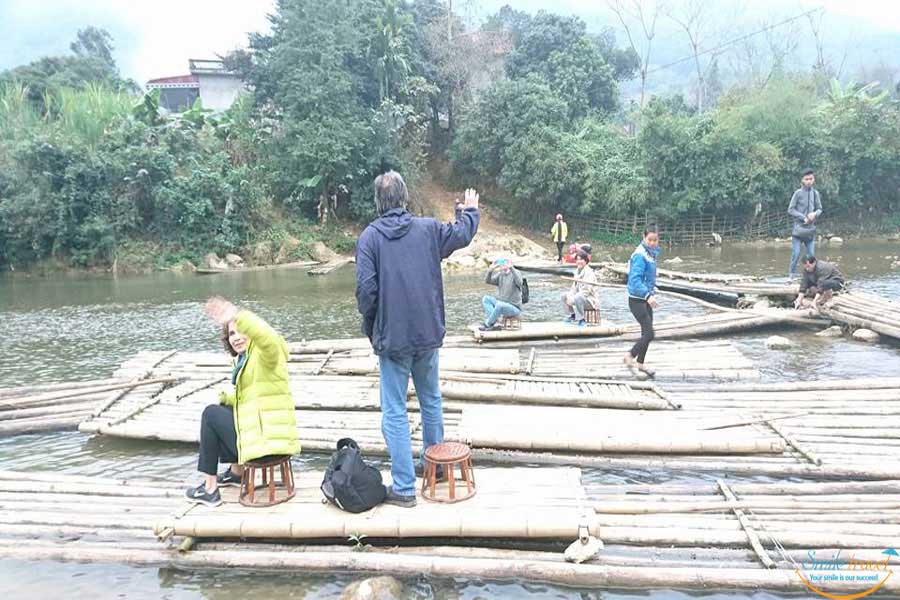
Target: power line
{"x":736,"y":40}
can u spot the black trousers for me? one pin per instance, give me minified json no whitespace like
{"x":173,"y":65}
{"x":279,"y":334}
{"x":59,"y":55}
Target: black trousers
{"x":218,"y":439}
{"x":559,"y":247}
{"x":644,"y":315}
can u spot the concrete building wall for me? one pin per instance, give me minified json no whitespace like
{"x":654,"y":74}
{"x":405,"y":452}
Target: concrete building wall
{"x":218,"y":92}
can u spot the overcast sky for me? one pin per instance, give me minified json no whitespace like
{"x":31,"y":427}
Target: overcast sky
{"x":156,"y":38}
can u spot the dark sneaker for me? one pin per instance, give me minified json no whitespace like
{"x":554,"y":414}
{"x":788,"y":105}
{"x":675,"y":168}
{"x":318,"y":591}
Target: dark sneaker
{"x":398,"y":500}
{"x":199,"y":495}
{"x":486,"y":327}
{"x":420,"y":471}
{"x":228,"y":479}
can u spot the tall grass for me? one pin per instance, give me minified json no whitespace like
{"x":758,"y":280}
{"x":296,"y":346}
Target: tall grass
{"x":84,"y":115}
{"x":78,"y":117}
{"x":18,"y":117}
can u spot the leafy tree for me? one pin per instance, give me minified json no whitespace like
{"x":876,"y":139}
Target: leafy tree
{"x":95,"y":43}
{"x":505,"y":113}
{"x":92,"y":63}
{"x":581,"y":76}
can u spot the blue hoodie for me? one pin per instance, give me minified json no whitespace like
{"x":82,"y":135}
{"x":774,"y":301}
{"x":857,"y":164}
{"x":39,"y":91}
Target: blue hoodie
{"x":399,"y":287}
{"x":642,"y":272}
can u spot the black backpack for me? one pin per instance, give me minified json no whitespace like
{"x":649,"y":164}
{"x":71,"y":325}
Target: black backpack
{"x":350,"y":483}
{"x":525,"y":293}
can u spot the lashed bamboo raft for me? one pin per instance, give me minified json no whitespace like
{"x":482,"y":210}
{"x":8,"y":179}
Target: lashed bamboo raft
{"x":694,"y":539}
{"x":672,"y":360}
{"x":510,"y":503}
{"x":723,"y":290}
{"x":62,"y":406}
{"x":858,"y":309}
{"x":330,"y":266}
{"x":735,"y":321}
{"x":332,"y":362}
{"x":606,"y":431}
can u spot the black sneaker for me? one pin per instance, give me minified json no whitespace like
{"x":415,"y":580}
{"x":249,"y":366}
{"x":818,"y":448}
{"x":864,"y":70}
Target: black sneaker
{"x":420,"y":471}
{"x":199,"y":495}
{"x":398,"y":500}
{"x":487,"y":327}
{"x":228,"y":479}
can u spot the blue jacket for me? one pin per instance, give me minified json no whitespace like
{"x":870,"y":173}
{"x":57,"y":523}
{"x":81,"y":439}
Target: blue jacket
{"x":642,"y":272}
{"x":399,"y":287}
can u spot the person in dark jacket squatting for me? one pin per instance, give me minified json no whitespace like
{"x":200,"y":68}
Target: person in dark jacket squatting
{"x":400,"y":295}
{"x":508,"y":302}
{"x":820,"y":280}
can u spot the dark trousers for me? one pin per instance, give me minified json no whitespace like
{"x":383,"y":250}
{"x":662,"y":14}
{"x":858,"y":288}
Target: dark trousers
{"x":834,"y":285}
{"x":559,"y":247}
{"x":644,"y":315}
{"x":218,"y":439}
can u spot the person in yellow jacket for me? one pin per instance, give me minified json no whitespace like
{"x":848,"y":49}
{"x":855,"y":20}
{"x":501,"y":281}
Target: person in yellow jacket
{"x":559,"y":232}
{"x":255,"y":420}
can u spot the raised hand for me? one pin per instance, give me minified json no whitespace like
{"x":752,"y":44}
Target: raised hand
{"x":221,"y":310}
{"x":471,"y":198}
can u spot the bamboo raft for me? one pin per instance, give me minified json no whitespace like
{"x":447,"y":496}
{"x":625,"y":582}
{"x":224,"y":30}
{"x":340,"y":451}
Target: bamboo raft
{"x":702,"y":536}
{"x":63,"y":406}
{"x":721,"y":323}
{"x":332,"y":362}
{"x":330,"y":266}
{"x":858,"y":309}
{"x":673,"y":359}
{"x":713,"y":287}
{"x":291,"y":265}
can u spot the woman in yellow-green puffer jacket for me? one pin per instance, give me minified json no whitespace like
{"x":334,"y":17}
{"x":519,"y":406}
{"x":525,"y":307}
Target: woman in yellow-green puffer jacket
{"x":258,"y":418}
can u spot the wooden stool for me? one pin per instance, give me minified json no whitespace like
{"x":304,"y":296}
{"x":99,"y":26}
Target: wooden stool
{"x":267,"y":465}
{"x":448,"y":454}
{"x":511,"y":323}
{"x":592,"y":316}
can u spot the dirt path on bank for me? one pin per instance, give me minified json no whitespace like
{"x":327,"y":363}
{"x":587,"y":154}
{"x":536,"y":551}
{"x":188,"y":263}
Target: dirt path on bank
{"x":495,"y":237}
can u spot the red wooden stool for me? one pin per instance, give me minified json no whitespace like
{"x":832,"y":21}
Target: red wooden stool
{"x":266,"y":466}
{"x":592,"y":316}
{"x":511,"y":323}
{"x":448,"y":454}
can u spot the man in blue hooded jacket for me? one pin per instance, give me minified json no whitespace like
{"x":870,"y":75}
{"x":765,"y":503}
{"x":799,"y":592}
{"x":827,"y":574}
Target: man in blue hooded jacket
{"x":400,"y":295}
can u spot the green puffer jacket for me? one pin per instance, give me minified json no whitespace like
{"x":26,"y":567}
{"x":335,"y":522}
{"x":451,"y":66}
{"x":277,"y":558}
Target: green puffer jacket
{"x":264,"y":416}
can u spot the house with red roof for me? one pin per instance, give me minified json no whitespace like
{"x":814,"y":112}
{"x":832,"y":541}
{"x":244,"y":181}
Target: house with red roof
{"x":208,"y":80}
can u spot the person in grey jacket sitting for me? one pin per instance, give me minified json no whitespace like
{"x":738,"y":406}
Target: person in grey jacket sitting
{"x":805,"y":208}
{"x":820,"y":280}
{"x":508,"y":302}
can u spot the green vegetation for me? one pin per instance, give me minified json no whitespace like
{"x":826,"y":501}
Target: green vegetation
{"x":529,"y":107}
{"x":745,"y":153}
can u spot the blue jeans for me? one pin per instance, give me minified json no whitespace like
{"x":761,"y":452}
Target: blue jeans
{"x":395,"y":372}
{"x":494,"y":309}
{"x":795,"y":252}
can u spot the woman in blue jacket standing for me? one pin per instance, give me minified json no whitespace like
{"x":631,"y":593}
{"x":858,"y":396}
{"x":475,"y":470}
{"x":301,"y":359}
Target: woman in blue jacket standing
{"x":642,"y":296}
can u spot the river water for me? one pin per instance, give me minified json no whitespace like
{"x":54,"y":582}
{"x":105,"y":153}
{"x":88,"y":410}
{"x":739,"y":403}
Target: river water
{"x":78,"y":328}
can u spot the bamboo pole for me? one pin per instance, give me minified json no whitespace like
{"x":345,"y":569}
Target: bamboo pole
{"x":53,"y":398}
{"x":6,"y":393}
{"x":794,"y":444}
{"x":756,"y":421}
{"x":748,"y":529}
{"x":159,"y":398}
